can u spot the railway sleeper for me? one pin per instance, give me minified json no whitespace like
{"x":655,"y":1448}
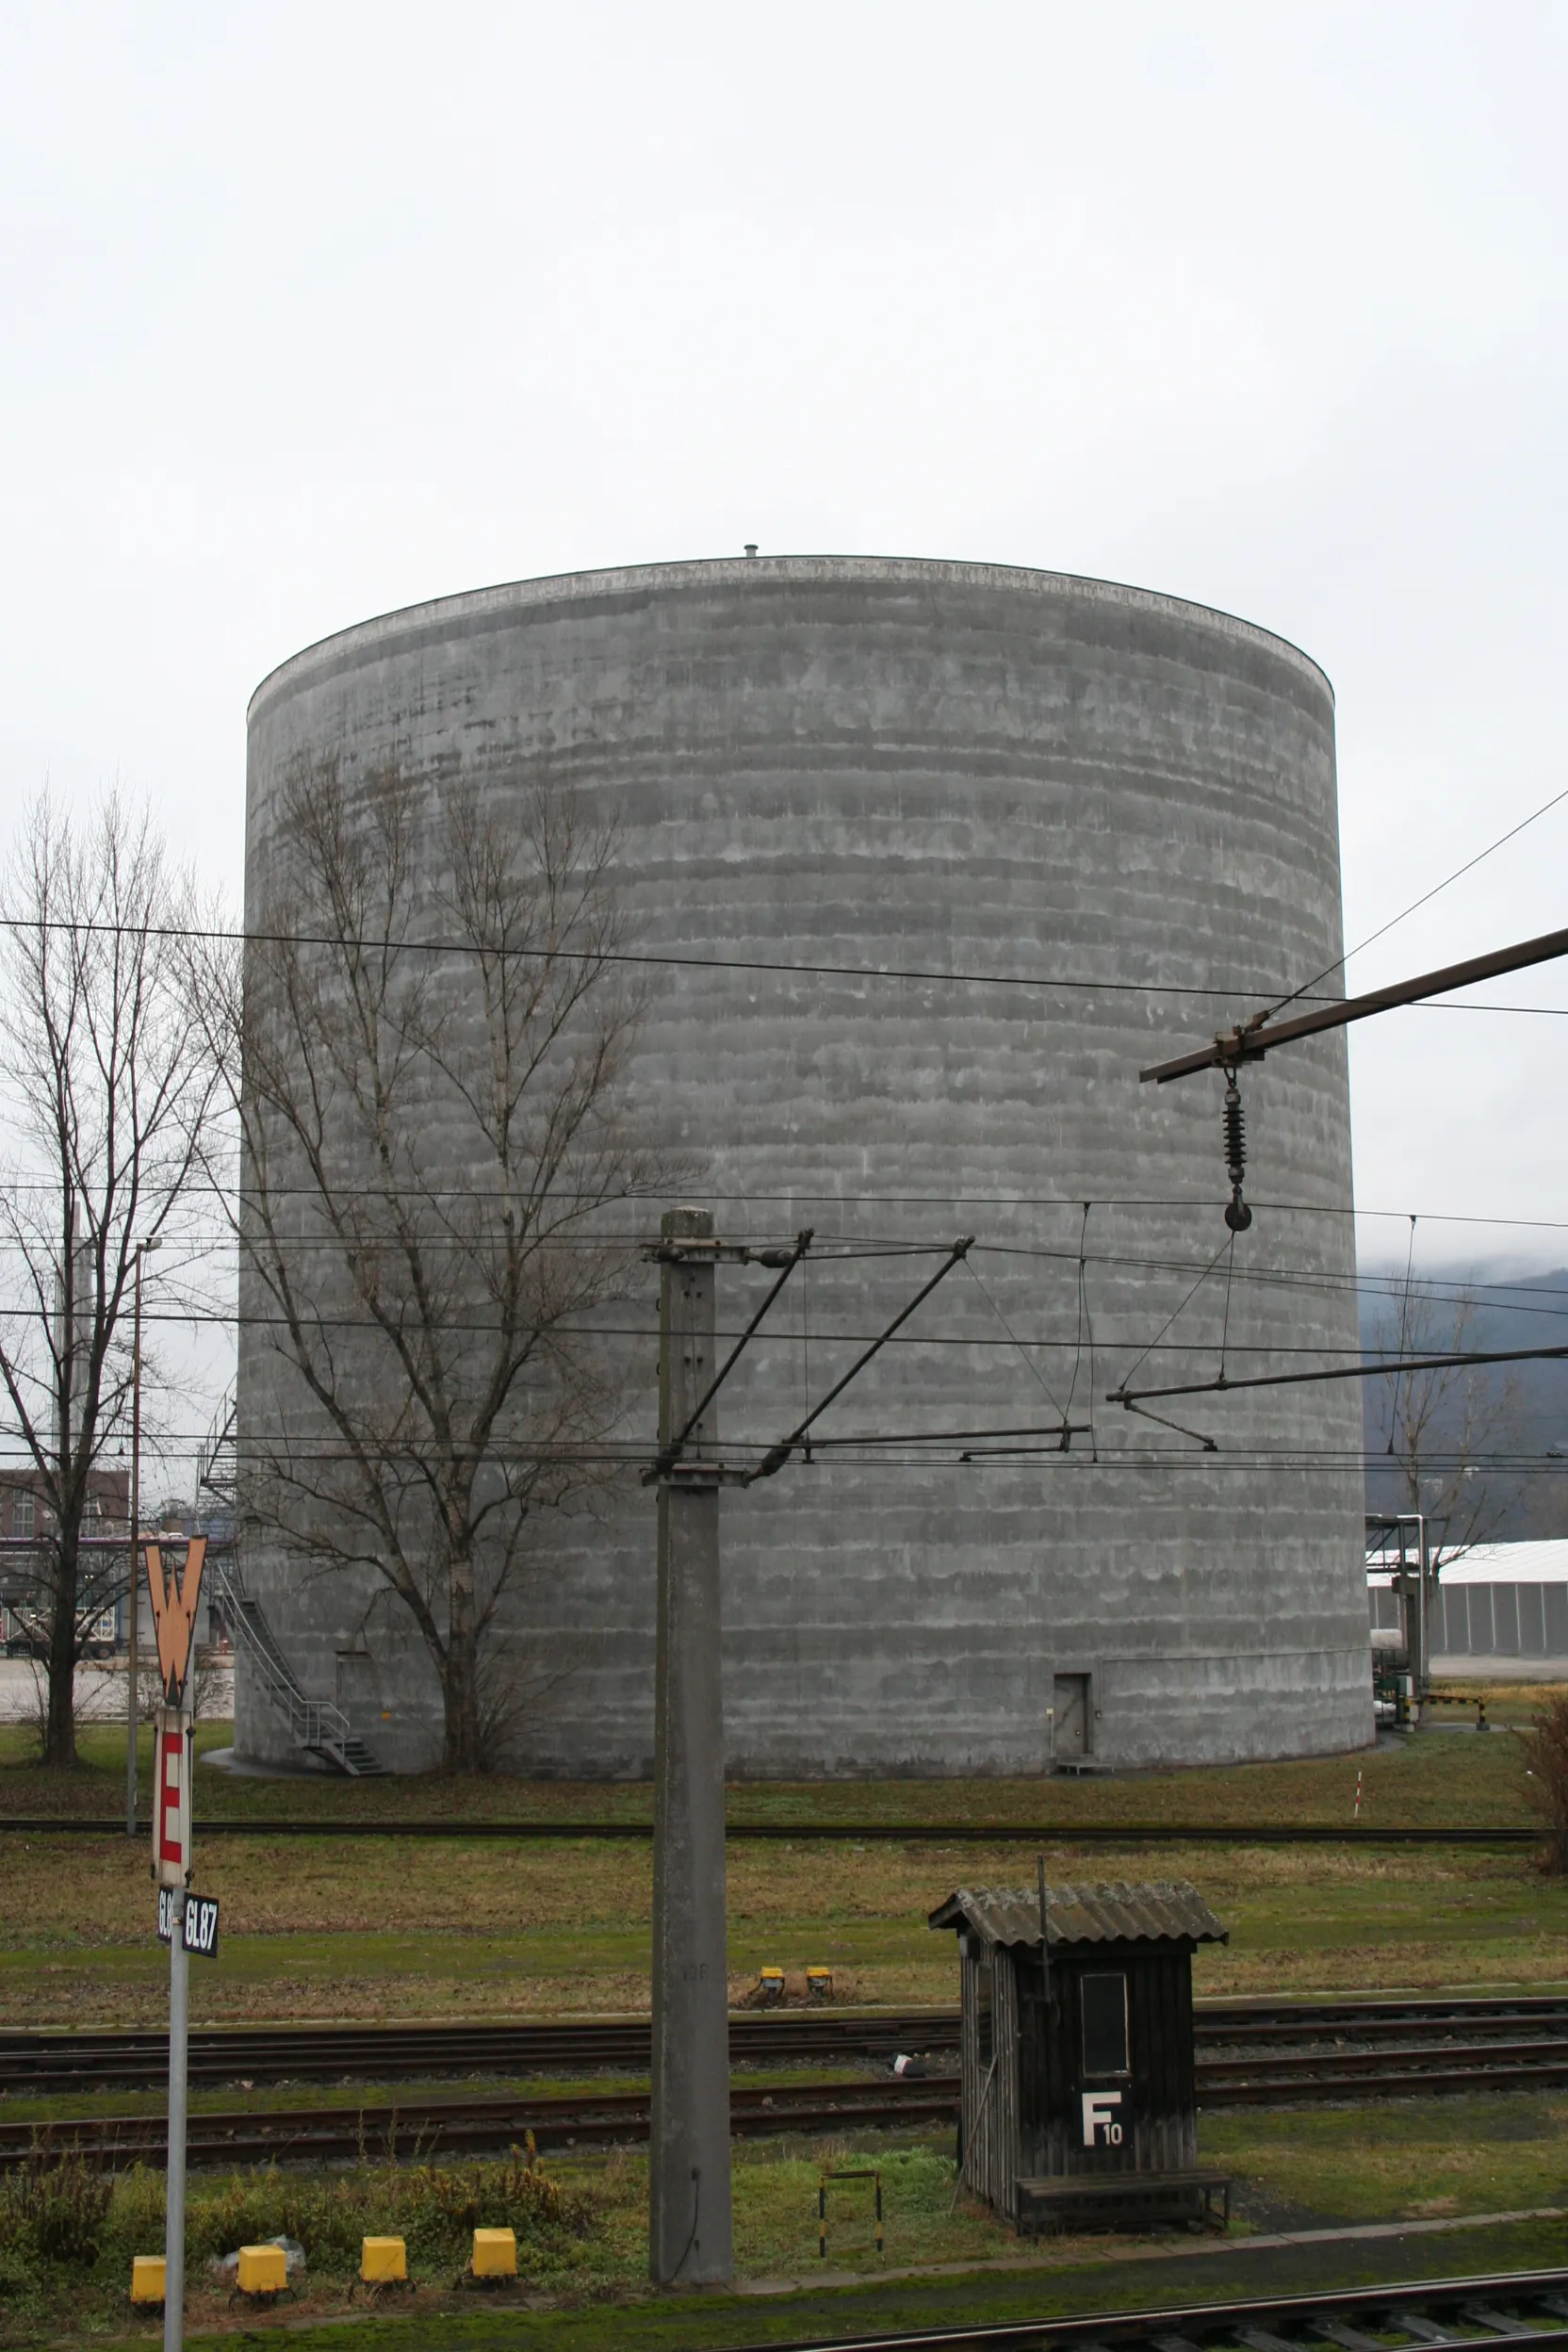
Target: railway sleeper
{"x":1340,"y":2331}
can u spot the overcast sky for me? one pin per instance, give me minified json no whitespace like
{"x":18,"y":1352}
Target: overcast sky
{"x":312,"y":312}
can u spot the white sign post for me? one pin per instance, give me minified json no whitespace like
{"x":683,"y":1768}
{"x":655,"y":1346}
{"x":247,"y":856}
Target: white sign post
{"x":174,"y":1599}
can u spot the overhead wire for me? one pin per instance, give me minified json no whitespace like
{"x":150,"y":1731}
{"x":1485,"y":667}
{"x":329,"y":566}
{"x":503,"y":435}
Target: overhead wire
{"x":661,"y":959}
{"x":1199,"y":1203}
{"x":1028,"y":1360}
{"x":1426,"y":896}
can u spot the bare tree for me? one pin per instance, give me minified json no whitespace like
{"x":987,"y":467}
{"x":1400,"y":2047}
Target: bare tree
{"x":107,"y":1075}
{"x":1546,"y":1764}
{"x":428,"y":1139}
{"x":1429,"y":1433}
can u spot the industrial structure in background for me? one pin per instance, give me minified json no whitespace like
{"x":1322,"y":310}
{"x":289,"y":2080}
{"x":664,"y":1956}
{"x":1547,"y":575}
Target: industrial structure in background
{"x":1499,"y":1609}
{"x":934,"y":854}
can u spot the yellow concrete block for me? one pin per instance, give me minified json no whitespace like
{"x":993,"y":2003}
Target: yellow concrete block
{"x":383,"y":2261}
{"x":495,"y":2253}
{"x":819,"y":1984}
{"x":147,"y":2278}
{"x":770,"y":1983}
{"x":263,"y":2270}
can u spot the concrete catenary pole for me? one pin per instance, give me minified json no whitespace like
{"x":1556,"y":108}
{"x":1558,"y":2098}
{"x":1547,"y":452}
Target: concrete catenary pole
{"x":690,"y":2237}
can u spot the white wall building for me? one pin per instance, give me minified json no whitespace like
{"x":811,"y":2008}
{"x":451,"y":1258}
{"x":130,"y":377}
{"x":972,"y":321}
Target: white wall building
{"x":1501,"y":1608}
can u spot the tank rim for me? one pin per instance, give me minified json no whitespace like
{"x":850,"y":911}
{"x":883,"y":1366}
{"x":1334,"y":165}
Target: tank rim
{"x":564,"y":588}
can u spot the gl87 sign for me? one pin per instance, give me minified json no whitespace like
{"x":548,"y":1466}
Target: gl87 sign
{"x":194,"y":1921}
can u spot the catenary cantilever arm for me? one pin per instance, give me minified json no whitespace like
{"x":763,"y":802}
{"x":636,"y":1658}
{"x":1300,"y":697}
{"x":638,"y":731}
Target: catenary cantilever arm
{"x":1223,"y":1384}
{"x":776,"y":1456}
{"x":1245,"y":1044}
{"x":667,"y":1456}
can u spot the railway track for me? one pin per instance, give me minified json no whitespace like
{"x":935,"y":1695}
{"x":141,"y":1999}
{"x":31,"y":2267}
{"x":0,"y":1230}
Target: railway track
{"x":428,"y":2127}
{"x":1418,"y":2071}
{"x":1384,"y":2017}
{"x":1372,"y":2034}
{"x":1496,"y":2309}
{"x":835,"y":1833}
{"x":392,"y":2054}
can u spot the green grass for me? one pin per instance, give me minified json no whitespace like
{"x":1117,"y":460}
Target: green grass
{"x":372,"y":1928}
{"x":317,"y":1927}
{"x":320,"y":1927}
{"x":714,"y":2323}
{"x":1443,"y":1779}
{"x":1409,"y":2159}
{"x":1295,"y":2171}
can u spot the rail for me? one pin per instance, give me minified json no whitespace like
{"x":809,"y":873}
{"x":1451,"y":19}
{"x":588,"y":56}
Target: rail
{"x":420,"y":2128}
{"x":1499,"y":2309}
{"x":1247,"y":2046}
{"x":828,"y":1833}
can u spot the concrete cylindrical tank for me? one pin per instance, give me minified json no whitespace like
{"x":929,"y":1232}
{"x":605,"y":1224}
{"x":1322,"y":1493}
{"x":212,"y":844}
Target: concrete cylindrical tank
{"x":914,"y":771}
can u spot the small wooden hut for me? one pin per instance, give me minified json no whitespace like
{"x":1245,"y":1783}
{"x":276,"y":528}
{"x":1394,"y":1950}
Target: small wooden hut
{"x":1079,"y":2101}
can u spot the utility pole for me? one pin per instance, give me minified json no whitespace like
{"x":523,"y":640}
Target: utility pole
{"x":689,"y":2234}
{"x":690,"y":2239}
{"x":133,"y":1599}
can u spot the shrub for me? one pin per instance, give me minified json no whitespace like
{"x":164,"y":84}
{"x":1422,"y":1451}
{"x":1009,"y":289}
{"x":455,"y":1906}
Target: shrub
{"x":1546,"y":1758}
{"x":441,"y":2210}
{"x":53,"y":2210}
{"x":436,"y":2209}
{"x":57,"y":2216}
{"x":135,"y":2224}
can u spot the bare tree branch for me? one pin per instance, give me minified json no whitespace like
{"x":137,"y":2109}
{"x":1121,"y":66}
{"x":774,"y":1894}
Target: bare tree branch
{"x":426,"y":1147}
{"x":1429,"y":1432}
{"x":108,"y":1077}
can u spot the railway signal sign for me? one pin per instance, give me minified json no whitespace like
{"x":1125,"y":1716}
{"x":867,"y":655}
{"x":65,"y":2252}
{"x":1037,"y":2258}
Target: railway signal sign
{"x":201,"y":1925}
{"x":175,"y":1757}
{"x":1101,"y":2125}
{"x":175,"y":1594}
{"x":199,"y":1915}
{"x":188,"y":1922}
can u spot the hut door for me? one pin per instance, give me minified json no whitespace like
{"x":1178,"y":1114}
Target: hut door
{"x":1071,"y":1717}
{"x":1034,"y":2018}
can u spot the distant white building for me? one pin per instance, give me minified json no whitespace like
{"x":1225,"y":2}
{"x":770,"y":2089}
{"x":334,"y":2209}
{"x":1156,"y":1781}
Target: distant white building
{"x":1503,"y":1605}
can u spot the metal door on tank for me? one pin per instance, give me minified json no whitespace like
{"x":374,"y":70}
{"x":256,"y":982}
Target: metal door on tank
{"x":358,"y":1692}
{"x":1072,"y":1718}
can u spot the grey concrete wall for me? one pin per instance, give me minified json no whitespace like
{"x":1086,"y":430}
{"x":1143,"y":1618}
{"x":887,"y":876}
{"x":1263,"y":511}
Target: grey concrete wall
{"x":932,"y":768}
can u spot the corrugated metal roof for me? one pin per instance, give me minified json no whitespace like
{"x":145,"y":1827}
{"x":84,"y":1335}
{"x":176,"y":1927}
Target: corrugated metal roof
{"x":1539,"y":1561}
{"x":1161,"y":1911}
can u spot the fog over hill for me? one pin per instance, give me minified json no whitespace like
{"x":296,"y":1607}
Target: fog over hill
{"x":1491,"y":1445}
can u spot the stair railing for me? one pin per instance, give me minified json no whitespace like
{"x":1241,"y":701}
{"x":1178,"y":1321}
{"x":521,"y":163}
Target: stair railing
{"x":316,"y":1725}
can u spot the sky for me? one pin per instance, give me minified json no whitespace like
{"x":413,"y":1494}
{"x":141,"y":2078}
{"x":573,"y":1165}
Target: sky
{"x":311,"y":311}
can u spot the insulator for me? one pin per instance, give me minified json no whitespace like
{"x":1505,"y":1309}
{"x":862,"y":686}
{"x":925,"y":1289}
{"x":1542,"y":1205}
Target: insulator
{"x":1238,"y":1214}
{"x":1235,"y":1133}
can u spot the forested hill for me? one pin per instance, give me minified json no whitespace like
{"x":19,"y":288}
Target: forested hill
{"x":1508,"y":1424}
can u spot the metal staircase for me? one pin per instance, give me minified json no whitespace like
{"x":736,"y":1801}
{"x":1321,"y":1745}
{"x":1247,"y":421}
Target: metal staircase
{"x":316,"y":1727}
